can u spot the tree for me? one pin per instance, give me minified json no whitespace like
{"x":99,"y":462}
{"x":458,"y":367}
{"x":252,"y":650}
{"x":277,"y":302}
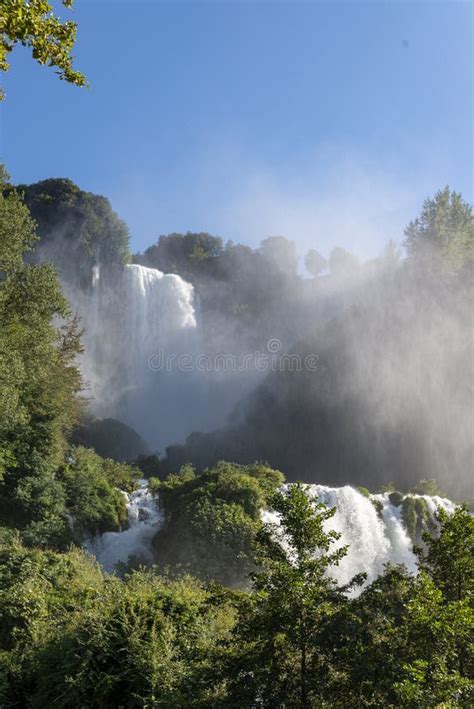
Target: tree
{"x":390,"y":258}
{"x":448,"y":557}
{"x":435,"y":639}
{"x":93,"y":491}
{"x":77,"y":230}
{"x":442,"y":237}
{"x":397,"y":644}
{"x":33,"y":24}
{"x":276,"y":660}
{"x":435,"y":664}
{"x":72,"y":637}
{"x":315,"y":263}
{"x":187,"y":254}
{"x":342,"y":262}
{"x":39,"y":381}
{"x":211,"y":519}
{"x":280,"y":253}
{"x":110,"y":439}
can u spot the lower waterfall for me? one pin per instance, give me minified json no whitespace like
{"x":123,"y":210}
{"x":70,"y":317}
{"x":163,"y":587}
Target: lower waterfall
{"x":371,"y":526}
{"x":144,"y":520}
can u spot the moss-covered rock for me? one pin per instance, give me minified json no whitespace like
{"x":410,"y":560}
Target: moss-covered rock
{"x":396,"y":498}
{"x":416,"y":516}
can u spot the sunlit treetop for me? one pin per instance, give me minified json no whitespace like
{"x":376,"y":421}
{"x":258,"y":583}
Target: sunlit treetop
{"x":33,"y":24}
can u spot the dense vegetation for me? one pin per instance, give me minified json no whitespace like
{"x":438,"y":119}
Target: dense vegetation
{"x":76,"y":230}
{"x":211,"y":520}
{"x":42,"y":481}
{"x":109,"y":438}
{"x":279,"y":632}
{"x":72,"y":637}
{"x":371,"y":326}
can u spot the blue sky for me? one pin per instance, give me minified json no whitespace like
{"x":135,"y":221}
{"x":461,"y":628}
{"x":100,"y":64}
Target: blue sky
{"x":328,"y":122}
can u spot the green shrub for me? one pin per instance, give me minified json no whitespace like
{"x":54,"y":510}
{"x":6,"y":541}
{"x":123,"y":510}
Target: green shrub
{"x":416,"y":516}
{"x":91,"y":489}
{"x":211,"y":519}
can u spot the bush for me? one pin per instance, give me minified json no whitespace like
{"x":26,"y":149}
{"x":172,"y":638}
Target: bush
{"x":91,"y":489}
{"x":71,"y":637}
{"x":211,"y":519}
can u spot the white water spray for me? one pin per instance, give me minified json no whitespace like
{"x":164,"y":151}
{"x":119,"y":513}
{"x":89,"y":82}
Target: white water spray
{"x":127,"y":321}
{"x":374,"y":538}
{"x":144,"y":520}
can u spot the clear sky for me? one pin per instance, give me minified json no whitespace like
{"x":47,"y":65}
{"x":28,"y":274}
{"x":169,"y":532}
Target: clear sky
{"x":328,"y":122}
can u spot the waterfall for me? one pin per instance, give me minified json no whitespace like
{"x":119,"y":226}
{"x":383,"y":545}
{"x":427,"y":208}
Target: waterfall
{"x":372,"y":527}
{"x":127,"y":321}
{"x":141,"y":343}
{"x":157,"y":307}
{"x":144,"y":520}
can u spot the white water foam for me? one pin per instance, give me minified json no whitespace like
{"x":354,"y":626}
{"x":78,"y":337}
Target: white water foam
{"x":374,"y":539}
{"x":144,"y":520}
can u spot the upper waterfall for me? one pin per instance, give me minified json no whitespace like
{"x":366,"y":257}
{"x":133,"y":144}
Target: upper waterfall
{"x":157,"y":304}
{"x":157,"y":307}
{"x":128,"y":320}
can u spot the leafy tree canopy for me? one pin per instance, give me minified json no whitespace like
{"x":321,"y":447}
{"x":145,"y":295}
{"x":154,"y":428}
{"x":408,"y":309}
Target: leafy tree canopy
{"x":442,"y":237}
{"x":315,"y":263}
{"x":92,"y":487}
{"x":211,"y":519}
{"x":39,"y":381}
{"x":77,"y":230}
{"x":33,"y":24}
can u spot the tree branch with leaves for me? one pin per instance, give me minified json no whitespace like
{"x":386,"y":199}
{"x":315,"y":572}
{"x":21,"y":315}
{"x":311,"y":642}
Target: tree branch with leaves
{"x":33,"y":24}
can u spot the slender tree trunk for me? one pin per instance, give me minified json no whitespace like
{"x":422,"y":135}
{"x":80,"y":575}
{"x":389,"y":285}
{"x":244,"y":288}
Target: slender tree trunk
{"x":303,"y":693}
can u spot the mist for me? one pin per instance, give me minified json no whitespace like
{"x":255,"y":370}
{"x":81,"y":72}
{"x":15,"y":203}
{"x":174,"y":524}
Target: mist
{"x":202,"y":346}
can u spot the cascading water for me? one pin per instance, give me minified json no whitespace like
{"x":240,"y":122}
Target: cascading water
{"x":127,"y":321}
{"x":374,"y":537}
{"x":144,"y":520}
{"x":374,"y":533}
{"x":141,"y":343}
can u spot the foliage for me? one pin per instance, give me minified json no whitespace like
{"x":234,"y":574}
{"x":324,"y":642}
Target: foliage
{"x":77,"y":230}
{"x":280,"y":254}
{"x":275,"y":659}
{"x":427,"y":487}
{"x":150,"y":465}
{"x":342,"y":262}
{"x":449,"y":558}
{"x":442,"y":237}
{"x":72,"y":638}
{"x":109,"y":438}
{"x":211,"y":519}
{"x":33,"y":24}
{"x":416,"y":516}
{"x":315,"y":263}
{"x":92,"y":487}
{"x":39,"y":381}
{"x":186,"y":254}
{"x":396,"y":498}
